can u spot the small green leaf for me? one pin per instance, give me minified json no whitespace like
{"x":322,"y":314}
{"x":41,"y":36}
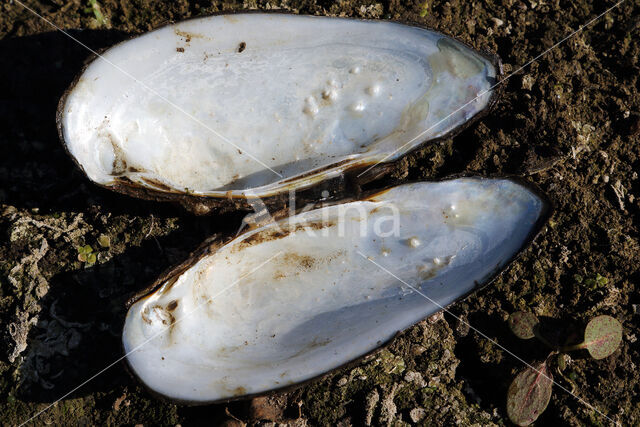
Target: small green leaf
{"x":91,"y":259}
{"x":522,"y":324}
{"x":529,"y":395}
{"x":598,"y":281}
{"x":602,"y":336}
{"x":87,"y":249}
{"x":601,"y":281}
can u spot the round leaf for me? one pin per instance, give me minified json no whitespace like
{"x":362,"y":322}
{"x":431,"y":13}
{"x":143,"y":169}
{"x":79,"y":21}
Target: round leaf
{"x":91,"y":258}
{"x":529,"y":395}
{"x":602,"y":336}
{"x":522,"y":324}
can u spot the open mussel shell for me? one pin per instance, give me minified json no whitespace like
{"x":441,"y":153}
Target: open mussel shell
{"x":299,"y":297}
{"x":221,"y":109}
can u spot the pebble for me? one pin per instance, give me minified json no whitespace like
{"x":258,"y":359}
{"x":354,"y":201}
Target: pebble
{"x":415,"y":378}
{"x":417,"y":414}
{"x":265,"y":408}
{"x":527,"y":82}
{"x":370,"y":404}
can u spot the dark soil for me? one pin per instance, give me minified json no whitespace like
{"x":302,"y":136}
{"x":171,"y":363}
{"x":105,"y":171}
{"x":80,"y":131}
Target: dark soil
{"x":570,"y":122}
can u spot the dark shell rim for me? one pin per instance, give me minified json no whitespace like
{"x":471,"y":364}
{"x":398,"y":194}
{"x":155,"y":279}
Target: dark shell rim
{"x":216,"y":241}
{"x":203,"y":204}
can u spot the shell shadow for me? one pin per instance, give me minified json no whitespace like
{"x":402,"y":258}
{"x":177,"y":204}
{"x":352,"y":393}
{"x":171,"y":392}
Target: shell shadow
{"x":35,"y":170}
{"x":78,"y":333}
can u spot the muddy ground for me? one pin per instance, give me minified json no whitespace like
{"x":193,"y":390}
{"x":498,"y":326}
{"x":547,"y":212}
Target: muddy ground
{"x":570,"y":122}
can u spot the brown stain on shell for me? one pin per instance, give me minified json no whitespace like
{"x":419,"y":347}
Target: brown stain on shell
{"x":157,"y":184}
{"x":304,"y":262}
{"x":280,"y":233}
{"x":294,"y":264}
{"x":188,"y":35}
{"x":239,"y":391}
{"x":161,"y":312}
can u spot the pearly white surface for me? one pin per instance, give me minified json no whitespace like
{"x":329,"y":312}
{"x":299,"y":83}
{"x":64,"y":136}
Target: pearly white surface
{"x":247,"y":322}
{"x":183,"y":106}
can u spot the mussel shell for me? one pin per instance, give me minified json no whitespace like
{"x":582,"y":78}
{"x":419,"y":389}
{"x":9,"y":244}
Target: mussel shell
{"x":218,"y":328}
{"x":110,"y":124}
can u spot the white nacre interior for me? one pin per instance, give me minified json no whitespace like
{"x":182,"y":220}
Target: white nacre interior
{"x":243,"y":103}
{"x":296,"y":298}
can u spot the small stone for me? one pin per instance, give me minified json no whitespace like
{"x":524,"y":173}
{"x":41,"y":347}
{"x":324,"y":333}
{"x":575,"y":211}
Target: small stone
{"x":342,"y":382}
{"x":388,"y":408}
{"x":435,"y":318}
{"x":120,"y":402}
{"x":497,"y":22}
{"x":434,"y":381}
{"x":265,"y":408}
{"x":370,"y":405}
{"x":415,"y":378}
{"x":418,"y":350}
{"x":417,"y":414}
{"x":462,"y":327}
{"x":527,"y":82}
